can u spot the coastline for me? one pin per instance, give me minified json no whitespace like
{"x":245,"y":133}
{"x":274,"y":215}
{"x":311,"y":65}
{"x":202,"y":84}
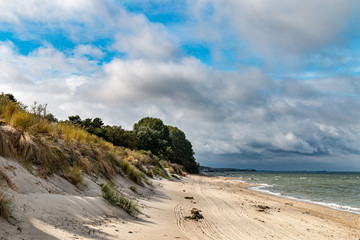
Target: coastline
{"x":229,"y":208}
{"x":334,"y":206}
{"x":343,"y":202}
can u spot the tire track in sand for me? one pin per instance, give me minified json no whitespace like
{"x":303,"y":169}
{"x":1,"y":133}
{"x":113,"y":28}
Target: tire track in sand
{"x":218,"y":221}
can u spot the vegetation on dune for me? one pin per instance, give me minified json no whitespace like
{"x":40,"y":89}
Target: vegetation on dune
{"x":74,"y":176}
{"x":4,"y":177}
{"x":46,"y":146}
{"x":119,"y":200}
{"x":4,"y":205}
{"x":149,"y":134}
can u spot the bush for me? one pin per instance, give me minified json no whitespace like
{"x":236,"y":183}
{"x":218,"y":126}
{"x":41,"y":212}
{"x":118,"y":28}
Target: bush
{"x":110,"y":195}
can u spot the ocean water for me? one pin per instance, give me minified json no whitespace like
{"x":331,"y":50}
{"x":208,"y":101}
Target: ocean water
{"x":336,"y":190}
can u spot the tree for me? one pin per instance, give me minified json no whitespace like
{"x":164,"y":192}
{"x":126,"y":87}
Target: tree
{"x":152,"y":135}
{"x":120,"y":137}
{"x":181,"y":150}
{"x":97,"y":123}
{"x":51,"y":118}
{"x":75,"y":119}
{"x":11,"y":97}
{"x":165,"y":141}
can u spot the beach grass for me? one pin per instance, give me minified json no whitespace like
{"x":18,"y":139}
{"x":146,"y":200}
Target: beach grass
{"x":119,"y":200}
{"x":4,"y":177}
{"x":45,"y":148}
{"x":75,"y":176}
{"x":4,"y":205}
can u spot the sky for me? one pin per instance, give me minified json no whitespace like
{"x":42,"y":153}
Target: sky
{"x":258,"y":84}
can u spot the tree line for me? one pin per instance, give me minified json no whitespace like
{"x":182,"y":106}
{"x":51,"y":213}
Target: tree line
{"x":150,"y":134}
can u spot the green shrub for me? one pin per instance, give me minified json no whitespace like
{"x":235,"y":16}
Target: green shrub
{"x":110,"y":195}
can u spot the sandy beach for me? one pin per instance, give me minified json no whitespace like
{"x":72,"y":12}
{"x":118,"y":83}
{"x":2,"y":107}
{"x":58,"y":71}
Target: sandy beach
{"x":54,"y":209}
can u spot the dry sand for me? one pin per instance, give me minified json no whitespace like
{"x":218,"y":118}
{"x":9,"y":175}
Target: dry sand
{"x":54,"y":209}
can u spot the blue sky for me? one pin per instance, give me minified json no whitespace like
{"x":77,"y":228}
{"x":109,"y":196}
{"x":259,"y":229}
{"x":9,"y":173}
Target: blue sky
{"x":254,"y":84}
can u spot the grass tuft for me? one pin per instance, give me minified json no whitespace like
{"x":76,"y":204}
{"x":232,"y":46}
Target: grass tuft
{"x":176,"y":177}
{"x":112,"y":196}
{"x":150,"y":173}
{"x":75,"y":176}
{"x":85,"y":164}
{"x":22,"y":120}
{"x":162,"y":173}
{"x":4,"y":205}
{"x":6,"y":148}
{"x":5,"y":178}
{"x":133,"y":188}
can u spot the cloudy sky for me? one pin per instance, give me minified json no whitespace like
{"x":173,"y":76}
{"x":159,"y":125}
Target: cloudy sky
{"x":253,"y":84}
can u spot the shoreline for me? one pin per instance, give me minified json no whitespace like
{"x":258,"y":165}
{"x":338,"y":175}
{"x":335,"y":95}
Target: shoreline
{"x":306,"y":203}
{"x":258,"y":188}
{"x":266,"y":188}
{"x":324,"y":204}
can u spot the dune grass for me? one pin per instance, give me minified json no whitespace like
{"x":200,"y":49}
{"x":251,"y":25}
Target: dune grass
{"x":49,"y":148}
{"x":134,"y":174}
{"x":161,"y":172}
{"x":150,"y":173}
{"x":4,"y":177}
{"x":4,"y":205}
{"x":75,"y":176}
{"x":114,"y":198}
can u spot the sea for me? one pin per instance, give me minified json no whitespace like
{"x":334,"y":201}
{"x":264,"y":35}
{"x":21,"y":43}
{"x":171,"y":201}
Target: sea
{"x":338,"y":190}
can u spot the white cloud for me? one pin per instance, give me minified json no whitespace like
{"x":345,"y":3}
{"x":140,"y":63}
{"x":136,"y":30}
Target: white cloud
{"x":277,"y":29}
{"x":88,"y":50}
{"x":88,"y":20}
{"x":146,"y":40}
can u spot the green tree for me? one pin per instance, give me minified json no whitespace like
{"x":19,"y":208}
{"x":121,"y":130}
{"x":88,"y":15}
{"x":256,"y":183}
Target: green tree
{"x":120,"y":137}
{"x":181,"y":150}
{"x":152,"y":135}
{"x":11,"y":97}
{"x":75,"y":119}
{"x":51,"y":118}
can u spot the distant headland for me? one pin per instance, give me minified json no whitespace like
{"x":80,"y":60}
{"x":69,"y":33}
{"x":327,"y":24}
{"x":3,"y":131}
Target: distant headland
{"x":210,"y":169}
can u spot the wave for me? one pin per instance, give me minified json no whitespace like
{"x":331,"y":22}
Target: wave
{"x":260,"y":188}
